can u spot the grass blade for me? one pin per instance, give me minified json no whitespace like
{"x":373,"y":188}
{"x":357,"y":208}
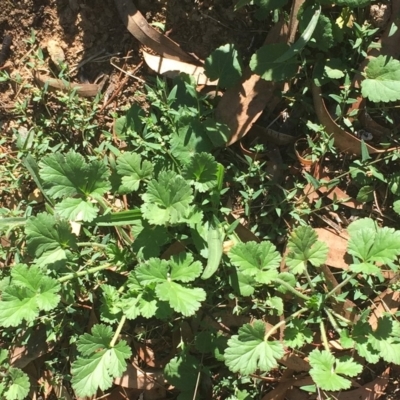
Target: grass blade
{"x":303,"y":39}
{"x":32,"y":167}
{"x":118,"y":219}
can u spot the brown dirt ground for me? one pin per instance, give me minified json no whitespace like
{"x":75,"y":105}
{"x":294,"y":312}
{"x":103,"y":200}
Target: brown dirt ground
{"x":93,"y":27}
{"x":87,"y":28}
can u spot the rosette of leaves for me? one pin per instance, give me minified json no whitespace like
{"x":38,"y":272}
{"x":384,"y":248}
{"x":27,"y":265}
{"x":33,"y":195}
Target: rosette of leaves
{"x":157,"y":287}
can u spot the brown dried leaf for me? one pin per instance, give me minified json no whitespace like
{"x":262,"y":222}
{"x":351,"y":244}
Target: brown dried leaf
{"x":370,"y":391}
{"x":387,"y":301}
{"x":337,"y":244}
{"x":36,"y":346}
{"x":279,"y":392}
{"x":148,"y":36}
{"x":136,"y":379}
{"x":46,"y":383}
{"x":172,"y":68}
{"x":242,"y":104}
{"x":175,"y":248}
{"x":145,"y":353}
{"x":121,"y":393}
{"x":294,"y":362}
{"x":337,"y":194}
{"x":244,"y":234}
{"x":296,"y":394}
{"x":61,"y":392}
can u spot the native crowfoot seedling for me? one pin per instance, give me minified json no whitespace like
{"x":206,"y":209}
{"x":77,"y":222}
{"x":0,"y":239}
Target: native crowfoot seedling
{"x":179,"y":200}
{"x":76,"y":191}
{"x":256,"y":348}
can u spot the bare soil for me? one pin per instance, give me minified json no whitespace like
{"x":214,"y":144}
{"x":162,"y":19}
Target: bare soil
{"x":92,"y":30}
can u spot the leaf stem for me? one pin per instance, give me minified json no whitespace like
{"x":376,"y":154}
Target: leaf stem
{"x":338,"y":316}
{"x":309,"y":279}
{"x":122,"y":288}
{"x":291,"y":289}
{"x":284,"y":322}
{"x":341,"y":284}
{"x":118,"y":331}
{"x":124,"y":235}
{"x":332,"y":320}
{"x":323,"y":335}
{"x":119,"y":229}
{"x":92,"y":244}
{"x":100,"y":200}
{"x":73,"y":275}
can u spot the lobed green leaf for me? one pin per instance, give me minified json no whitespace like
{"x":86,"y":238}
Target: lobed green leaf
{"x":167,"y":199}
{"x":100,"y":363}
{"x":325,"y":370}
{"x":182,"y":299}
{"x":49,"y":238}
{"x":382,"y":81}
{"x":304,"y":247}
{"x":19,"y":385}
{"x":133,"y":170}
{"x":29,"y":292}
{"x":201,"y":172}
{"x":225,"y":65}
{"x":259,"y":260}
{"x":249,"y":350}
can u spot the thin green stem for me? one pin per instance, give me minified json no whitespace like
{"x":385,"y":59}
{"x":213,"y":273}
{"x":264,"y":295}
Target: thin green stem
{"x":102,"y":203}
{"x":309,"y":279}
{"x":338,"y":316}
{"x":333,"y":322}
{"x":284,"y":322}
{"x":291,"y":289}
{"x":323,"y":335}
{"x":122,"y":288}
{"x":341,"y":284}
{"x":73,"y":275}
{"x":124,"y":235}
{"x":387,"y":157}
{"x":92,"y":244}
{"x":118,"y":331}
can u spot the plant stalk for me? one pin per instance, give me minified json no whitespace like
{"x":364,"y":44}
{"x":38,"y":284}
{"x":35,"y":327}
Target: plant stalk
{"x":73,"y":275}
{"x":92,"y":244}
{"x":118,"y":331}
{"x":309,"y":279}
{"x":284,"y":322}
{"x":323,"y":336}
{"x":333,"y":322}
{"x":338,"y":316}
{"x":292,"y":289}
{"x":341,"y":284}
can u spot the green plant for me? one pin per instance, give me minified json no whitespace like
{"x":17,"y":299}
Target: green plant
{"x":14,"y":383}
{"x":256,"y":347}
{"x":168,"y":204}
{"x":135,"y":238}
